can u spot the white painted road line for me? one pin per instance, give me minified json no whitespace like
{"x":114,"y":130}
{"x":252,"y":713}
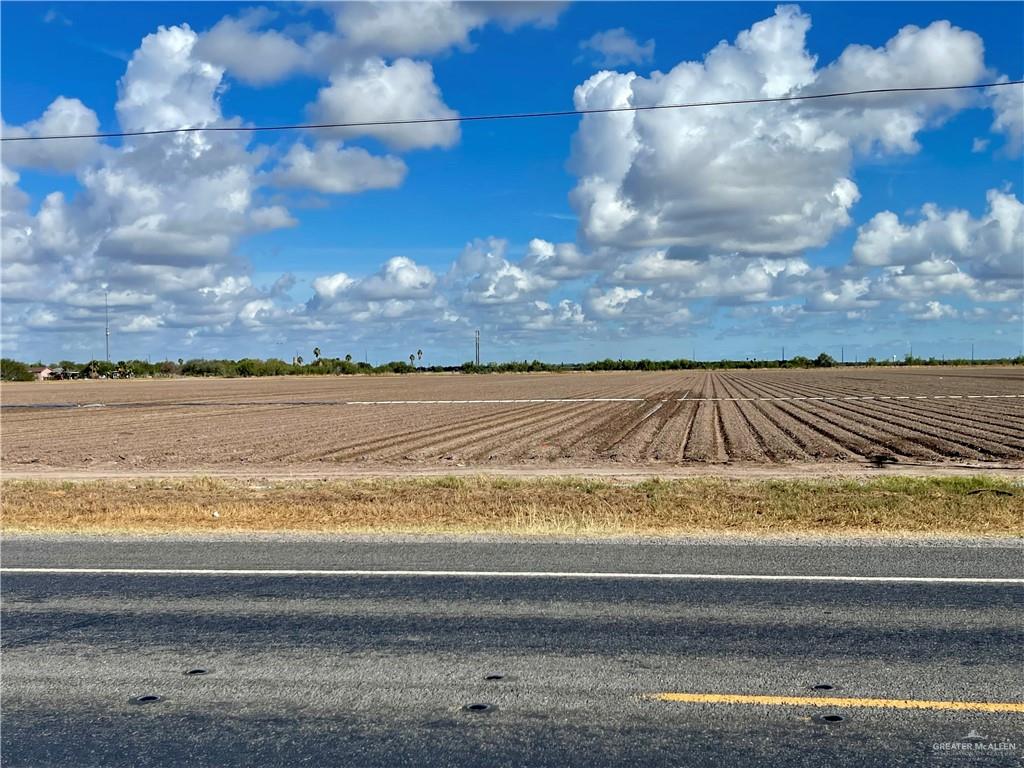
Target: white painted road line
{"x":505,"y":401}
{"x":684,"y":399}
{"x":510,"y":575}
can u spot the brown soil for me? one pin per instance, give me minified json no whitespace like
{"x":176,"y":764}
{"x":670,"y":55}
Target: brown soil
{"x":285,"y":426}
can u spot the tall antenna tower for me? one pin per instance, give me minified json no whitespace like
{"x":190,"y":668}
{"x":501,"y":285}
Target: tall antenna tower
{"x":106,"y":323}
{"x":477,"y":338}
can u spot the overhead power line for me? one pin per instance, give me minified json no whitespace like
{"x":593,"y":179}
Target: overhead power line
{"x":507,"y":116}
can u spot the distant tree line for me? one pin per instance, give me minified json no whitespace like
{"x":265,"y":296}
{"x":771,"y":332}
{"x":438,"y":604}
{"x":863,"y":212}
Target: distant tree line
{"x":683,"y":364}
{"x":13,"y":370}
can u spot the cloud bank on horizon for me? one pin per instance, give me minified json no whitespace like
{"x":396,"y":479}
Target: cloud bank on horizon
{"x":699,"y":223}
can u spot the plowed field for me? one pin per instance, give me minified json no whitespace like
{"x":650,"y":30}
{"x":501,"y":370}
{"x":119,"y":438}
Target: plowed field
{"x":573,"y":420}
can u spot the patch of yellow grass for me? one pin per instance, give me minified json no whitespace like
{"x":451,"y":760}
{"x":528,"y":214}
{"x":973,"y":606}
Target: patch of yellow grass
{"x":521,"y":506}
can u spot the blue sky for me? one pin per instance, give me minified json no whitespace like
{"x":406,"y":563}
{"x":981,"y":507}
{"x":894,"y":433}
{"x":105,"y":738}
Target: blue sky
{"x":867,"y":224}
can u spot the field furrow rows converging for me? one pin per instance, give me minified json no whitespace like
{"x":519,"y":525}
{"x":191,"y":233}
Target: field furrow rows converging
{"x":910,"y":438}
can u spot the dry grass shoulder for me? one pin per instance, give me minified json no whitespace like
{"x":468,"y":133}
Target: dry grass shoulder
{"x":966,"y":506}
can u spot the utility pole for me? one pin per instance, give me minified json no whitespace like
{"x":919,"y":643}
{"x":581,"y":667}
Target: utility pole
{"x":972,"y":353}
{"x":106,"y":322}
{"x":783,"y":355}
{"x":477,"y":340}
{"x":842,"y":354}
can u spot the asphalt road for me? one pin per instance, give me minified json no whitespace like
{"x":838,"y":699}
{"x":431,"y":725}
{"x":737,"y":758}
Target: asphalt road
{"x":375,"y":670}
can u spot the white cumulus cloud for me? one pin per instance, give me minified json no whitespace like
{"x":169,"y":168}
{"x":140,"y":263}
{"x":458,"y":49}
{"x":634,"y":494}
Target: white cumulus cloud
{"x":399,"y":278}
{"x":374,"y":91}
{"x":254,"y":55}
{"x":166,"y":86}
{"x":771,"y":179}
{"x":930,"y":310}
{"x":332,"y":168}
{"x":616,"y":47}
{"x":154,"y":222}
{"x":484,"y":274}
{"x":64,"y":117}
{"x":991,"y":246}
{"x":418,"y":28}
{"x":1008,"y":105}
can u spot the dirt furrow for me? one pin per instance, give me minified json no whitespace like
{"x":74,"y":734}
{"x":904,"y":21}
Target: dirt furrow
{"x":581,"y":427}
{"x":106,"y":436}
{"x":442,"y":445}
{"x":706,"y":442}
{"x":947,"y":441}
{"x":854,"y":438}
{"x":740,"y":441}
{"x":982,"y":413}
{"x":814,"y":443}
{"x":772,"y":441}
{"x":577,"y":424}
{"x":288,"y":422}
{"x":987,"y":441}
{"x":614,"y":443}
{"x":553,"y":440}
{"x":903,"y":440}
{"x":442,"y":431}
{"x":965,"y":420}
{"x":918,"y":440}
{"x":658,"y":434}
{"x":390,"y":432}
{"x":663,"y":441}
{"x":469,"y":431}
{"x":595,"y":440}
{"x":669,"y":425}
{"x":636,"y":444}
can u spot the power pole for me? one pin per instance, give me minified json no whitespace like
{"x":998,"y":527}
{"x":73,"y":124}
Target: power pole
{"x":106,"y":323}
{"x":783,"y":355}
{"x":477,"y":340}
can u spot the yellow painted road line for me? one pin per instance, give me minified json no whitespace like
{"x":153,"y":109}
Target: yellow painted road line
{"x":835,"y":701}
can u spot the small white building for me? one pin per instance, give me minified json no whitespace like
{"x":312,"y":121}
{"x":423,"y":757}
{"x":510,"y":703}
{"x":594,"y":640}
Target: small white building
{"x":41,"y":374}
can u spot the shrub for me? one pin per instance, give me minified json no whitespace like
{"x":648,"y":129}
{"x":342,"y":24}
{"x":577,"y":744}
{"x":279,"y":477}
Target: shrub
{"x":12,"y":370}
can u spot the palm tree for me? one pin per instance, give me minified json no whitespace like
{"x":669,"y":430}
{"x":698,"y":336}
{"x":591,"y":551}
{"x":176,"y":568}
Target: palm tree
{"x":412,"y":360}
{"x":348,"y":358}
{"x":419,"y":354}
{"x":316,"y":354}
{"x":299,"y":359}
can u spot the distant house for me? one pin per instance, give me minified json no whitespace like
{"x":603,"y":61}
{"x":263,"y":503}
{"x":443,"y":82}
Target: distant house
{"x":41,"y":373}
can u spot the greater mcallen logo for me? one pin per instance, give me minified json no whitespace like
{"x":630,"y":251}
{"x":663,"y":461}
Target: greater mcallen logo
{"x":975,"y":742}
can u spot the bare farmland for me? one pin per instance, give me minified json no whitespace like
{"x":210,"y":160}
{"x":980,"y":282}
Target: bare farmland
{"x":580,"y":420}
